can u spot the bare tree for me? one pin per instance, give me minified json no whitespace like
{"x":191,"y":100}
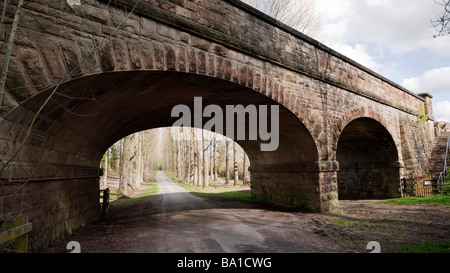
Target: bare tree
{"x":244,"y":168}
{"x":301,"y":15}
{"x":4,"y":165}
{"x":205,"y":181}
{"x":227,"y":171}
{"x":105,"y":172}
{"x":12,"y":37}
{"x":122,"y":185}
{"x":442,"y":23}
{"x":214,"y":168}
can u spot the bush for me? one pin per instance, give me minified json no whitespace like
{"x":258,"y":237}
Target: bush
{"x":446,"y":186}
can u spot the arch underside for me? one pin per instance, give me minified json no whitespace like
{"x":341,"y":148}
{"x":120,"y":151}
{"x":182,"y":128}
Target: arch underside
{"x":367,"y":158}
{"x":110,"y":106}
{"x":87,"y":115}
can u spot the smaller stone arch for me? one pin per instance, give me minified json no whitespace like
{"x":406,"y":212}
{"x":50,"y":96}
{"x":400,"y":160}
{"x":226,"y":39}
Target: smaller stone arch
{"x":368,"y":161}
{"x":358,"y":113}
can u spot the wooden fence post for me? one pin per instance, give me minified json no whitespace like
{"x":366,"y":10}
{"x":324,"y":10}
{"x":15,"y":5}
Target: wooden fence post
{"x":105,"y":202}
{"x":18,"y":231}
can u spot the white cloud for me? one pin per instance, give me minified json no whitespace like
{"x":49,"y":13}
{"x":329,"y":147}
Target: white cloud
{"x":393,"y":38}
{"x":359,"y":53}
{"x":441,"y":111}
{"x":433,"y":81}
{"x":402,"y":26}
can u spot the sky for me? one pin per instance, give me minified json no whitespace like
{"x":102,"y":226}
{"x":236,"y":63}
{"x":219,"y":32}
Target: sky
{"x":395,"y":39}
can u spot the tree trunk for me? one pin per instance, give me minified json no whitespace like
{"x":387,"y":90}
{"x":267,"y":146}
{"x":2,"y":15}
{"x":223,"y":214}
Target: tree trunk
{"x":192,"y":157}
{"x":235,"y":165}
{"x":205,"y":183}
{"x":227,"y":171}
{"x":131,"y":172}
{"x":122,"y":184}
{"x":244,"y":171}
{"x":139,"y":163}
{"x":179,"y":152}
{"x":9,"y":48}
{"x":198,"y":162}
{"x":214,"y":159}
{"x":105,"y":173}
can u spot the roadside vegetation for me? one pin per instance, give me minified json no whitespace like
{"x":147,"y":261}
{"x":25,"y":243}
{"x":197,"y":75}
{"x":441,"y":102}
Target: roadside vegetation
{"x":426,"y":247}
{"x":148,"y":189}
{"x":440,"y":199}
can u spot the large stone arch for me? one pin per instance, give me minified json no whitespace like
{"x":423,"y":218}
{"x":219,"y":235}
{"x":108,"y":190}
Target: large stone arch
{"x":72,"y":131}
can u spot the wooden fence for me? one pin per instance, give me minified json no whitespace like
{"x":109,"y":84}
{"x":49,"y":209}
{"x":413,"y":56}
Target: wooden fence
{"x":104,"y":201}
{"x":18,"y":231}
{"x":423,"y":186}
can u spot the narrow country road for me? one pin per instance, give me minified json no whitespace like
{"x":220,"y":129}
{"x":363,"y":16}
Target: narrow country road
{"x":174,"y":221}
{"x":189,"y":224}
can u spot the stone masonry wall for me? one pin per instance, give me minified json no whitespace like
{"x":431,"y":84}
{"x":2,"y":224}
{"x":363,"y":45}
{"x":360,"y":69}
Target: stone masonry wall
{"x":54,"y":207}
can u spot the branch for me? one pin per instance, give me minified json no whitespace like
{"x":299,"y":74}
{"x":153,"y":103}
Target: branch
{"x":3,"y":15}
{"x":66,"y":77}
{"x":12,"y":37}
{"x":441,"y":24}
{"x":71,"y":112}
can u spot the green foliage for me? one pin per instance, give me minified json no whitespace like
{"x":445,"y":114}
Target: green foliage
{"x":102,"y":163}
{"x":440,"y":199}
{"x":152,"y":189}
{"x":113,"y":158}
{"x":446,"y":187}
{"x":422,"y":116}
{"x":426,"y":247}
{"x":343,"y":222}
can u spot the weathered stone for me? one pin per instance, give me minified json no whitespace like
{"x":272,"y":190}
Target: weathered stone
{"x":71,"y":57}
{"x":192,"y":60}
{"x":88,"y":56}
{"x":105,"y":54}
{"x":19,"y":87}
{"x":147,"y":54}
{"x":120,"y":54}
{"x":32,"y":64}
{"x":181,"y":58}
{"x":134,"y":53}
{"x":160,"y":61}
{"x":201,"y":62}
{"x":171,"y":58}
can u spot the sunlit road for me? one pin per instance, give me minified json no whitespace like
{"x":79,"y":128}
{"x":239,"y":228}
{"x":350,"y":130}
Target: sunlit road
{"x":186,"y":223}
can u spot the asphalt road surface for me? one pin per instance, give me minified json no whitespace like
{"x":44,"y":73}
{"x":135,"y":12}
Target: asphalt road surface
{"x":184,"y":223}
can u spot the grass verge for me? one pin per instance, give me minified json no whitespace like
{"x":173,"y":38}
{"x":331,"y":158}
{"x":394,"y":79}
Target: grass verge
{"x":440,"y":199}
{"x":426,"y":247}
{"x":343,"y":222}
{"x":150,"y":189}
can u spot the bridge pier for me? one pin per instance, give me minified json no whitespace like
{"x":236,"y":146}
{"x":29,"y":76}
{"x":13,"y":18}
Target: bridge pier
{"x":55,"y":206}
{"x":311,"y":186}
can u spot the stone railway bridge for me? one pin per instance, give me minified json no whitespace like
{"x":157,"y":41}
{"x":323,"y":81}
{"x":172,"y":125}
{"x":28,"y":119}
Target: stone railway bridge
{"x":85,"y":76}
